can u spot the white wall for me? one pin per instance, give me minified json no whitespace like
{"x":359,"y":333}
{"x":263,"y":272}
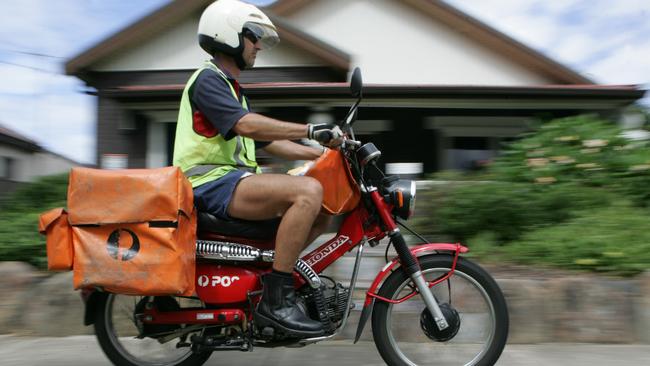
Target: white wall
{"x":178,"y":48}
{"x":27,"y":166}
{"x":157,"y":144}
{"x":392,"y":43}
{"x":45,"y":163}
{"x":395,"y":44}
{"x":20,"y":161}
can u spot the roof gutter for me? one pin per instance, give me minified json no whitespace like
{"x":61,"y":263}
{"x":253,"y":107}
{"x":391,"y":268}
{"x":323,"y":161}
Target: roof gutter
{"x":459,"y":98}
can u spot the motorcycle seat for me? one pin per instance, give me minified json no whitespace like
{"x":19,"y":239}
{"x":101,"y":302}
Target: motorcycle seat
{"x":257,"y":230}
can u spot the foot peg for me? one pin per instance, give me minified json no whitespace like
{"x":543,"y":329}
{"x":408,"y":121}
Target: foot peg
{"x":268,"y":332}
{"x":202,"y":344}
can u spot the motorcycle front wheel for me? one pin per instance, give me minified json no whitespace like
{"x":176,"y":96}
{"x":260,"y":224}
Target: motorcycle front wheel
{"x":120,"y":335}
{"x":405,"y":335}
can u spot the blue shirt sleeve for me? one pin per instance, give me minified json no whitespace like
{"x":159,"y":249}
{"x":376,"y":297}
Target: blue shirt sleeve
{"x":213,"y":97}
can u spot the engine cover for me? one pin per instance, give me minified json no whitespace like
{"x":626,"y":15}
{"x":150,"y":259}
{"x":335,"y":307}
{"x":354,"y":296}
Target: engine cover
{"x":220,"y":284}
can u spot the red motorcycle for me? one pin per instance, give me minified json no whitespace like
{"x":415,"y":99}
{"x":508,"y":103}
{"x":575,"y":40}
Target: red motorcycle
{"x":428,"y":305}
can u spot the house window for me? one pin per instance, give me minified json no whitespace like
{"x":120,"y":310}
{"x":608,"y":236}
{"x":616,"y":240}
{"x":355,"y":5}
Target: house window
{"x":6,"y":165}
{"x":470,"y":143}
{"x":469,"y":153}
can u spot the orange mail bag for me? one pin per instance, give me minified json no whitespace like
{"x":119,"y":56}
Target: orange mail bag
{"x":54,"y":225}
{"x":134,"y":231}
{"x":340,"y":191}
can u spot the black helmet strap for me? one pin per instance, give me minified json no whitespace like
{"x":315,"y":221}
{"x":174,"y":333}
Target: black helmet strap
{"x":209,"y":45}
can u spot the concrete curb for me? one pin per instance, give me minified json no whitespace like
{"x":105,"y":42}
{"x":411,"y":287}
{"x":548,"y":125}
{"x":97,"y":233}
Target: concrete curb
{"x":577,"y":309}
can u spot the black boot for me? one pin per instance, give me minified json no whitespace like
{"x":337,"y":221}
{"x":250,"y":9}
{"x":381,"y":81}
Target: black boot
{"x":278,"y":309}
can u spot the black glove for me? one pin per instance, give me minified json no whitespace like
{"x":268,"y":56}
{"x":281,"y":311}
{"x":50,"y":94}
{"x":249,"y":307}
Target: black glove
{"x":325,"y":133}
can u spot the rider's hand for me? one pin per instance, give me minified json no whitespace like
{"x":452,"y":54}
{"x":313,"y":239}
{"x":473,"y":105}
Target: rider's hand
{"x":327,"y":134}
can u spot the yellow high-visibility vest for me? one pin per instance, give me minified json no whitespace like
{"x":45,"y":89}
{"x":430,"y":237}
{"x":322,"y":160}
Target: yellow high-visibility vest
{"x":213,"y":157}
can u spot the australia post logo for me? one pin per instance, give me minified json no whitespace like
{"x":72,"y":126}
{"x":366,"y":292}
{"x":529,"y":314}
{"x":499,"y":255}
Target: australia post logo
{"x":224,"y":281}
{"x":123,"y":244}
{"x":318,"y":256}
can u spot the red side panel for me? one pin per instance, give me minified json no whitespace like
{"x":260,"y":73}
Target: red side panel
{"x":218,"y":284}
{"x":193,"y":316}
{"x":350,"y":234}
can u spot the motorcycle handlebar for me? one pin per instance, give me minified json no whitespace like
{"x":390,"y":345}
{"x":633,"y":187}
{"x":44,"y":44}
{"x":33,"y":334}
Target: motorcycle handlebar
{"x":352,"y":143}
{"x":349,"y":144}
{"x":324,"y":137}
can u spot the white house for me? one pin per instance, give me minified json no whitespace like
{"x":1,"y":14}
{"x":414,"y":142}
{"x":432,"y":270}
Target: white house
{"x":23,"y":160}
{"x":442,"y":89}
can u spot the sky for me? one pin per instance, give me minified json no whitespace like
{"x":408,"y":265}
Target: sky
{"x":607,"y":41}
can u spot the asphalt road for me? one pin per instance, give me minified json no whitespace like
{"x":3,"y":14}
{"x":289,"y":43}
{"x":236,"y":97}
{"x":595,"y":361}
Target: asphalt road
{"x":84,"y":351}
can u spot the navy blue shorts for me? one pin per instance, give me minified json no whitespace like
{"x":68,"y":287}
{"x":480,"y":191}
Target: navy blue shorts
{"x":214,"y":197}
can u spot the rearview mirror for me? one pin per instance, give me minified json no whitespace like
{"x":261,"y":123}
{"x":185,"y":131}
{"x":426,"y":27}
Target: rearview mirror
{"x":356,"y":83}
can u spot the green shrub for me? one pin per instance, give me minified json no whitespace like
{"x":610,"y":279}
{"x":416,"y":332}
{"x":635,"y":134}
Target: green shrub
{"x":614,"y":239}
{"x":579,"y":150}
{"x":19,"y":237}
{"x":462,"y":210}
{"x":573,"y":194}
{"x":42,"y":194}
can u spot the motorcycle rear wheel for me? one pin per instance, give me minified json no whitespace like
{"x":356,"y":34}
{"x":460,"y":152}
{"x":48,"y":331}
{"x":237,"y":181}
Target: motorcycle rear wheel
{"x":400,"y":338}
{"x":116,"y":332}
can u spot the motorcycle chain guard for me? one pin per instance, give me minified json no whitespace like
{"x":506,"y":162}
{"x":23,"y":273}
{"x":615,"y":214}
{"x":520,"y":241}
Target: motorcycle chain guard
{"x":161,"y":303}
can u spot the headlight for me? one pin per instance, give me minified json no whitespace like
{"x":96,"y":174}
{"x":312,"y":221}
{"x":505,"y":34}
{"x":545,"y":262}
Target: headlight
{"x":402,"y":196}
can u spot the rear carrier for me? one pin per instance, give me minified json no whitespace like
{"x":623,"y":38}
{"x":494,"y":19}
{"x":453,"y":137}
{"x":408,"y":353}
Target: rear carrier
{"x":126,"y":231}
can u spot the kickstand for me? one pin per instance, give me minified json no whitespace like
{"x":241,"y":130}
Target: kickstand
{"x":251,"y":324}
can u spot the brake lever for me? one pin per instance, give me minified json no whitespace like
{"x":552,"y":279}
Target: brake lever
{"x":350,"y":144}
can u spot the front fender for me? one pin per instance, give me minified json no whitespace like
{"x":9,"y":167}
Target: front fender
{"x":417,"y":251}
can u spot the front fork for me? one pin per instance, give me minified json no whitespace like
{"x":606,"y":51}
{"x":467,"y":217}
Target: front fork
{"x":408,"y":261}
{"x":412,"y":268}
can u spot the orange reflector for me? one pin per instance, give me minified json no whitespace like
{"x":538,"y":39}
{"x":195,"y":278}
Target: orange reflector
{"x":400,"y":199}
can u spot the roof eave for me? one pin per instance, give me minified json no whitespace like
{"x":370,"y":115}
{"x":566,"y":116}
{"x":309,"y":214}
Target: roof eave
{"x":287,"y":7}
{"x":20,"y":144}
{"x":322,"y":50}
{"x":138,"y":31}
{"x":402,"y":92}
{"x":476,"y":30}
{"x":173,"y":13}
{"x":499,"y":41}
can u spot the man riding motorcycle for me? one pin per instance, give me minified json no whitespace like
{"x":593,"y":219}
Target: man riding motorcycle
{"x":216,"y":137}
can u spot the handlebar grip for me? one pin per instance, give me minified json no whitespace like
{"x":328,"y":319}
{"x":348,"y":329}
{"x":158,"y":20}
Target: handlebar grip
{"x":324,"y":136}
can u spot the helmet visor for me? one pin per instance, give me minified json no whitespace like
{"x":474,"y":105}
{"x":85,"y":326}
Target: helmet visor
{"x":264,"y":33}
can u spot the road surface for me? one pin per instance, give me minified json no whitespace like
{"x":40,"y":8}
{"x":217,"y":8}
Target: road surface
{"x":84,"y":351}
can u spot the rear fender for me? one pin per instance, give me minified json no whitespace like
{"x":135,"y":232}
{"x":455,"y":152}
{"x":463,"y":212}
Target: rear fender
{"x":92,"y":299}
{"x":417,"y":251}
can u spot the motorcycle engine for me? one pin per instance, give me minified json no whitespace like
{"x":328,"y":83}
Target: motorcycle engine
{"x":336,"y":298}
{"x":327,"y":303}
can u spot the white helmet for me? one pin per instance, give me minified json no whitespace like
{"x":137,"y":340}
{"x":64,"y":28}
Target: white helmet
{"x":224,"y":24}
